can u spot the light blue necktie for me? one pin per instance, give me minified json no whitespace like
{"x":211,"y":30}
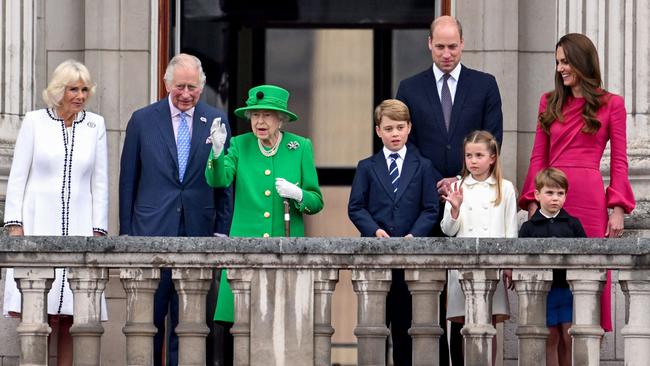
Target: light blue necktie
{"x":183,"y":145}
{"x":393,"y":171}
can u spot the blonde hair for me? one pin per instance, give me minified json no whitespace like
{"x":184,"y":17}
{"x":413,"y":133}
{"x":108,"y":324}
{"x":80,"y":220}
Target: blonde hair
{"x":67,"y":73}
{"x":393,"y":109}
{"x":187,"y":61}
{"x":488,"y":139}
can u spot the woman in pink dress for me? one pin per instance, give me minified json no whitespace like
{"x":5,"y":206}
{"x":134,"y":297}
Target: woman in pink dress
{"x":575,"y":122}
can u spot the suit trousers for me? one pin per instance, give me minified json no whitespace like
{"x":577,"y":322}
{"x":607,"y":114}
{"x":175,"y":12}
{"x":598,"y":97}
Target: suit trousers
{"x":165,"y":299}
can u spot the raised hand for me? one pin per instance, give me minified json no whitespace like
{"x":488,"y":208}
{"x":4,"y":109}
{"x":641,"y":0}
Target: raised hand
{"x":218,"y":134}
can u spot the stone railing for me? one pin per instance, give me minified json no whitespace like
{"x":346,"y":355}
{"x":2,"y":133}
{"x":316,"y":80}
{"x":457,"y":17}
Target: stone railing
{"x":370,"y":260}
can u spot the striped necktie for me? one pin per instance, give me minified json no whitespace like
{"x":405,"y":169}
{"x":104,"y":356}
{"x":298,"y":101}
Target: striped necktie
{"x":393,"y":171}
{"x":445,"y":100}
{"x":183,"y":145}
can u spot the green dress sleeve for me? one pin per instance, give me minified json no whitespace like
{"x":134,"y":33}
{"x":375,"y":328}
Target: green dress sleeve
{"x":312,"y":198}
{"x":221,"y":171}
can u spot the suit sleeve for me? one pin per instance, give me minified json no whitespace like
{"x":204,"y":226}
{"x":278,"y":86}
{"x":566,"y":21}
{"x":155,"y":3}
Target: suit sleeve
{"x":20,"y":168}
{"x":224,"y":199}
{"x":429,"y":203}
{"x":312,"y":198}
{"x":129,"y":175}
{"x":619,"y":193}
{"x":510,"y":202}
{"x":492,"y":114}
{"x":524,"y":232}
{"x":539,"y":159}
{"x":358,"y":203}
{"x":99,"y":181}
{"x":578,"y":230}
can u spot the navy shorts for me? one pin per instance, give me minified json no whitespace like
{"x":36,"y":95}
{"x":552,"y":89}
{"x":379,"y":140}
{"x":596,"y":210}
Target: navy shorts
{"x":559,"y":306}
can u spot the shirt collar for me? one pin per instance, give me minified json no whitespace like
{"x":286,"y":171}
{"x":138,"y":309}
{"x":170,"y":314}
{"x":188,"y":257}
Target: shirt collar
{"x":175,"y":111}
{"x":438,"y":74}
{"x":547,"y":216}
{"x":401,"y":152}
{"x":469,"y":180}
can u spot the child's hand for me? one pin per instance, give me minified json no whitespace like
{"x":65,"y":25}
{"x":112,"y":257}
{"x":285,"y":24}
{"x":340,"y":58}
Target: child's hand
{"x":507,"y":279}
{"x":380,"y":233}
{"x":455,"y":198}
{"x":408,"y":235}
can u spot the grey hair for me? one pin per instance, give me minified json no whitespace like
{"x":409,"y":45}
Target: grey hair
{"x":184,"y":60}
{"x":284,"y":118}
{"x":67,"y":73}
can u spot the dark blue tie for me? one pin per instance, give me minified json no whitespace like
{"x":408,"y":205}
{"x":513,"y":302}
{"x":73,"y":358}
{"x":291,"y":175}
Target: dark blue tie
{"x":393,"y":171}
{"x":445,"y":100}
{"x":183,"y":145}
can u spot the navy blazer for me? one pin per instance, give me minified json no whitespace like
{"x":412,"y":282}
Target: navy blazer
{"x":412,"y":210}
{"x":152,"y":198}
{"x":477,"y":106}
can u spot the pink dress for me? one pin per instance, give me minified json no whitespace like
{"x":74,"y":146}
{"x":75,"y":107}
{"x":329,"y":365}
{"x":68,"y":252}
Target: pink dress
{"x":578,"y":155}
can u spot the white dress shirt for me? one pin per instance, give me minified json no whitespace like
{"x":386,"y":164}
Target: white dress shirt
{"x":176,"y":117}
{"x":399,"y":161}
{"x":452,"y":82}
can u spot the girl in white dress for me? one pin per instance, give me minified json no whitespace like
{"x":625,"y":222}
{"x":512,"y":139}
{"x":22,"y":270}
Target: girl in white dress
{"x":58,"y":185}
{"x":481,"y":204}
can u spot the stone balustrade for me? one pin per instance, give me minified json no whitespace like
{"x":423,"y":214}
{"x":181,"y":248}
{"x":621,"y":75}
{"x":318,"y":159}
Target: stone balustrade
{"x":424,"y":260}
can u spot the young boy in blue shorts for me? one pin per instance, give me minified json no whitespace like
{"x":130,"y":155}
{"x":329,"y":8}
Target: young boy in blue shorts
{"x":394,"y":195}
{"x":551,"y":221}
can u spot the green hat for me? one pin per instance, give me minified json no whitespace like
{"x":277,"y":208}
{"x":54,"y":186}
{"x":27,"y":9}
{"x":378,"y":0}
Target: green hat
{"x":269,"y":97}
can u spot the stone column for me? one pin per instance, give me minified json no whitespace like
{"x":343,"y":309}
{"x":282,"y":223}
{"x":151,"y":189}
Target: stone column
{"x":478,"y":286}
{"x":140,"y":284}
{"x":636,"y":333}
{"x":371,"y":286}
{"x":87,"y":285}
{"x":34,"y":284}
{"x":324,"y":283}
{"x":586,"y":286}
{"x":425,"y":286}
{"x":192,"y":284}
{"x":532,"y":287}
{"x":240,"y":283}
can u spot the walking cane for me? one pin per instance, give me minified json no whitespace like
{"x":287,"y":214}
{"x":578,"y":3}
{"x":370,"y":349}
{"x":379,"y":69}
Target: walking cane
{"x":287,"y":218}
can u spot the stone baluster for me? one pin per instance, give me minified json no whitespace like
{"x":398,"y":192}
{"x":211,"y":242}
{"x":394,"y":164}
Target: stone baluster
{"x":478,"y":286}
{"x":192,"y":284}
{"x":34,"y":284}
{"x":87,"y":285}
{"x":636,"y":333}
{"x":324,"y":284}
{"x":371,"y":287}
{"x":140,"y":285}
{"x":532,"y":288}
{"x":240,"y":283}
{"x":586,"y":286}
{"x":425,"y":286}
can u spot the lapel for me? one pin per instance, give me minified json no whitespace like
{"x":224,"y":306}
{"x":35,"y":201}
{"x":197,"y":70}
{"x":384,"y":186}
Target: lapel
{"x":409,"y":168}
{"x":431,"y":89}
{"x":459,"y":99}
{"x":199,"y":134}
{"x":381,"y":171}
{"x":164,"y":124}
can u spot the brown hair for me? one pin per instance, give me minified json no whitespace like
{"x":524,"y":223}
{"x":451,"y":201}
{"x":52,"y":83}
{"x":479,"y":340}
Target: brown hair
{"x":393,"y":109}
{"x":445,"y":19}
{"x":551,"y":177}
{"x":488,"y":139}
{"x":581,"y":55}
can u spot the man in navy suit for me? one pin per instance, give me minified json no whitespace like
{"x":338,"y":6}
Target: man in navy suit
{"x":163,"y":191}
{"x":447,"y":102}
{"x":393,"y":195}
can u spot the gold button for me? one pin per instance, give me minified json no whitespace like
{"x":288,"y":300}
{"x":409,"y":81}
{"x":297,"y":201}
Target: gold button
{"x":267,"y":172}
{"x":266,"y":235}
{"x":267,"y":193}
{"x":267,"y":215}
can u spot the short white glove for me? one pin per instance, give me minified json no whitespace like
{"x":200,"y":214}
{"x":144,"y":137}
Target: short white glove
{"x":218,"y":134}
{"x":288,"y":190}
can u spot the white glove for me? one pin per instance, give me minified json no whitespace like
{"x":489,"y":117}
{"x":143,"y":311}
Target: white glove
{"x":218,"y":134}
{"x":288,"y":190}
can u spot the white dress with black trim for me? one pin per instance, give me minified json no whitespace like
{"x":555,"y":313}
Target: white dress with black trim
{"x":58,"y":185}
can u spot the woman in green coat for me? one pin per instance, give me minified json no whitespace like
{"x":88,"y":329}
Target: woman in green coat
{"x":269,"y":166}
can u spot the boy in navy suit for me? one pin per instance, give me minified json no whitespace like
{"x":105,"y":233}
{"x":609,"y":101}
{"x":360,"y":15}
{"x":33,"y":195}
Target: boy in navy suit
{"x":394,"y":195}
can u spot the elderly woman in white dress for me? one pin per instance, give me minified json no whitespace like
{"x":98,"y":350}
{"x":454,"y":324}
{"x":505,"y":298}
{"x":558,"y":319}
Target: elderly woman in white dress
{"x":58,"y":184}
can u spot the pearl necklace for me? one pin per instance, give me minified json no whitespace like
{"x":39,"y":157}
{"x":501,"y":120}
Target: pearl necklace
{"x":274,"y":149}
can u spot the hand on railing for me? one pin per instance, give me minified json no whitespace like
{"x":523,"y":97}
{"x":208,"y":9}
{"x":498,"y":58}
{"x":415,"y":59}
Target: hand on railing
{"x":507,"y":279}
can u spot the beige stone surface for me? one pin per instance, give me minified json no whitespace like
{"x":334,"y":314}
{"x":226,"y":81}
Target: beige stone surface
{"x":64,"y":24}
{"x":135,"y":25}
{"x":133,"y":78}
{"x":102,"y":24}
